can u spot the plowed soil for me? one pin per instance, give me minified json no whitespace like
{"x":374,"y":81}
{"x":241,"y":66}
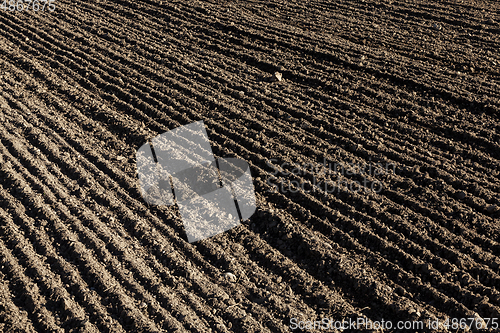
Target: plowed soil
{"x":410,"y":87}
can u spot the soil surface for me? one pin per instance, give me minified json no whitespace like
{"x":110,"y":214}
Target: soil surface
{"x":375,"y":158}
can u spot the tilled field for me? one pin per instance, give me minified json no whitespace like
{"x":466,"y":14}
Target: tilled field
{"x":395,"y":102}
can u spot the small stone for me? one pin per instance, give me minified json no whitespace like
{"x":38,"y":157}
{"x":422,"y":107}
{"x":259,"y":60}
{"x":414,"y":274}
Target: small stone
{"x":437,"y":26}
{"x":461,"y":195}
{"x":230,"y":277}
{"x":276,"y":77}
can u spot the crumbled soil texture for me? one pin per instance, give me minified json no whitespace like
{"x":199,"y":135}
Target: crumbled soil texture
{"x":375,"y":162}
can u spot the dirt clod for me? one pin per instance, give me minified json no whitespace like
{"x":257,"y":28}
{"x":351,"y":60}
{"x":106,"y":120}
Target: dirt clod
{"x":492,"y":208}
{"x":230,"y":277}
{"x":371,"y":130}
{"x":277,"y":76}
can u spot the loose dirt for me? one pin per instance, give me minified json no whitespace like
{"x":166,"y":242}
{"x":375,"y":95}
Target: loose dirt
{"x":396,"y":102}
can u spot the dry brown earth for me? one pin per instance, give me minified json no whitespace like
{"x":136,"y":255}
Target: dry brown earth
{"x":413,"y":85}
